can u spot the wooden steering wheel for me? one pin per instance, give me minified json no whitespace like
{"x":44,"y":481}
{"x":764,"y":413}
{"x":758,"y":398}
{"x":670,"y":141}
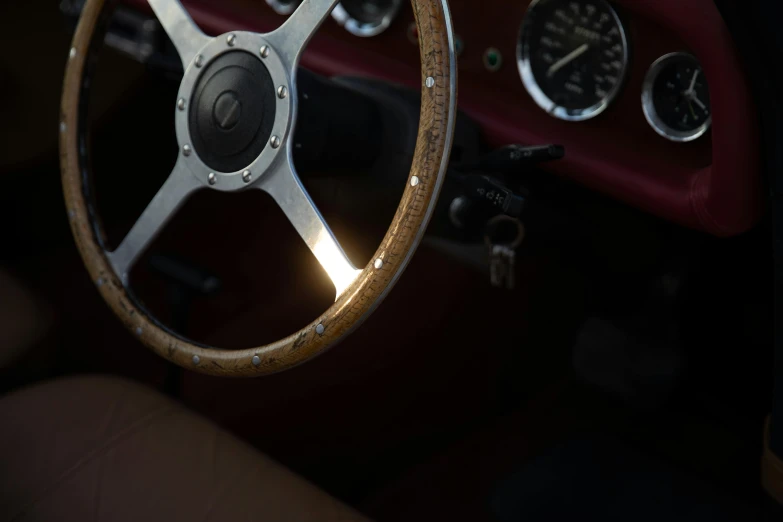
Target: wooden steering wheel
{"x":245,"y":83}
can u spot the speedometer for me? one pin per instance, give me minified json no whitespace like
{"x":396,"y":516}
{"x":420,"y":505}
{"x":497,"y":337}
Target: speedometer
{"x":572,"y":56}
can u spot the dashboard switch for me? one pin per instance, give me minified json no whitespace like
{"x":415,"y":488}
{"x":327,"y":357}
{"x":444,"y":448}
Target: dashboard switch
{"x":491,"y":193}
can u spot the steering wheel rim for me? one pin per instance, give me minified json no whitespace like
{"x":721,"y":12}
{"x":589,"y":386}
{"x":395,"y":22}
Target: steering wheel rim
{"x":359,"y":292}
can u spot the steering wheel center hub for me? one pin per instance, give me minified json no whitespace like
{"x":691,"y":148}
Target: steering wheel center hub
{"x":232,"y":121}
{"x":232,"y":111}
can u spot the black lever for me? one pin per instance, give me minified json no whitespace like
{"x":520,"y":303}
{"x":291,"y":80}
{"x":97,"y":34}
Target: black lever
{"x":514,"y":158}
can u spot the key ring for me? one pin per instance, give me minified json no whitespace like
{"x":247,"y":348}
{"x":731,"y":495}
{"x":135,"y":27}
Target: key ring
{"x":494,"y":223}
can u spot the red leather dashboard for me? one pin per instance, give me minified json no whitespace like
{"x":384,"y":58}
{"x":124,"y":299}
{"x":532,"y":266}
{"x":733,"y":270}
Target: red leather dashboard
{"x":712,"y":184}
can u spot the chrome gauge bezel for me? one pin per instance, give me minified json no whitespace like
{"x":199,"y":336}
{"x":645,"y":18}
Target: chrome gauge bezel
{"x":283,"y":8}
{"x":536,"y":92}
{"x":364,"y":29}
{"x":648,"y":105}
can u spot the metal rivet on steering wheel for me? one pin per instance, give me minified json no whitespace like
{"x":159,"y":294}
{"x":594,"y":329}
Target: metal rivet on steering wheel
{"x":234,"y":117}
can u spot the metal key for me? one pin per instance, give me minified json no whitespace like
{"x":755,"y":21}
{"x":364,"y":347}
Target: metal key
{"x":502,"y":254}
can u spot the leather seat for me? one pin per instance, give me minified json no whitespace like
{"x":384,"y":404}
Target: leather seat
{"x":97,"y":448}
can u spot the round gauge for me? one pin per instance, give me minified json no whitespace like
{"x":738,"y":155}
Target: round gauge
{"x":284,"y":7}
{"x":675,"y":98}
{"x":572,"y":56}
{"x":366,"y":17}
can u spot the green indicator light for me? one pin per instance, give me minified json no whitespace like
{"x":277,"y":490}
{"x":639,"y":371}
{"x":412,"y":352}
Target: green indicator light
{"x":492,"y":59}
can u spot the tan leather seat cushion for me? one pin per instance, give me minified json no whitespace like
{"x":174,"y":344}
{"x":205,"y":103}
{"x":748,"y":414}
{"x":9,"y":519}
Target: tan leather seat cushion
{"x":98,"y":448}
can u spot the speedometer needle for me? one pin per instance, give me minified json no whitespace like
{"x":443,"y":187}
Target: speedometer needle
{"x":565,"y":60}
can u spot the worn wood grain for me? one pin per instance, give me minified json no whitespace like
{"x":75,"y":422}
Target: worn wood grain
{"x":360,"y":299}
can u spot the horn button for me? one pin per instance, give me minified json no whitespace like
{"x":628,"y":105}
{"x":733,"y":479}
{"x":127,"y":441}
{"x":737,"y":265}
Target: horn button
{"x":232,"y":111}
{"x":227,"y":111}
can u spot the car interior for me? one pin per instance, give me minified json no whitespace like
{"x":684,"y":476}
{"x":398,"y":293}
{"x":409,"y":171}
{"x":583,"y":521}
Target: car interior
{"x":384,"y":260}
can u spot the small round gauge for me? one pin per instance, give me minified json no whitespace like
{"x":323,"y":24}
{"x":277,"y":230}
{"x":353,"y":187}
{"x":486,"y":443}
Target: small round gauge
{"x":675,"y":98}
{"x":572,"y":56}
{"x":284,"y":7}
{"x":366,"y":17}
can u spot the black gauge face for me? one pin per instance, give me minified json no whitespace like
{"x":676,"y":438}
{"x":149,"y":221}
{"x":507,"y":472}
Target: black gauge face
{"x":680,"y":96}
{"x":369,"y":11}
{"x":573,"y":56}
{"x":676,"y":99}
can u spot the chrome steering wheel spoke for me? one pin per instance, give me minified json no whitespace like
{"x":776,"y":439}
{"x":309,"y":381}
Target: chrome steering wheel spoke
{"x":283,"y":184}
{"x":290,"y":39}
{"x":281,"y":180}
{"x":172,"y":195}
{"x":182,"y":30}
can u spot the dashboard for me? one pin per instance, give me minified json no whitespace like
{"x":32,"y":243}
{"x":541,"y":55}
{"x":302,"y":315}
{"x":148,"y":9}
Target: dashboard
{"x":649,"y":99}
